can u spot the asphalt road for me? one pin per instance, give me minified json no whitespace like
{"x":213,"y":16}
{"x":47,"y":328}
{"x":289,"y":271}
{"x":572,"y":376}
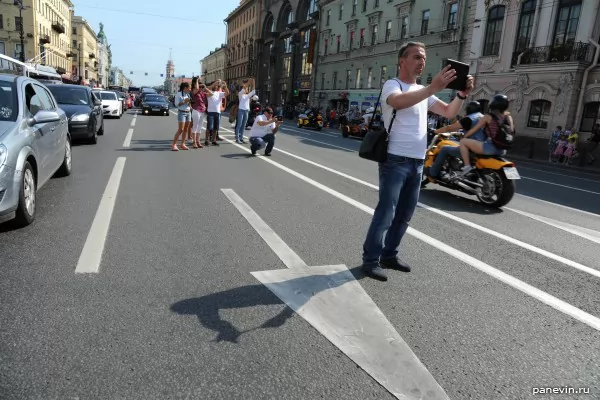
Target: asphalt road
{"x":173,"y":311}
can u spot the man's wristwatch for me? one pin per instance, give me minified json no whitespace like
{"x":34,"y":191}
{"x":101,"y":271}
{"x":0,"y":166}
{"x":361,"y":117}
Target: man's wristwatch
{"x":461,"y":97}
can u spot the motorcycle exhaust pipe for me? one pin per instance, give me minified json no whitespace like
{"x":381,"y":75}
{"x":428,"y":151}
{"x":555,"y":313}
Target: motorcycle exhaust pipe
{"x":479,"y":185}
{"x":466,"y":187}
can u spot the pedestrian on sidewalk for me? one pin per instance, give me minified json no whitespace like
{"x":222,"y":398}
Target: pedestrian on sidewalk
{"x":263,"y":131}
{"x":184,"y":117}
{"x":244,"y":95}
{"x":401,"y":174}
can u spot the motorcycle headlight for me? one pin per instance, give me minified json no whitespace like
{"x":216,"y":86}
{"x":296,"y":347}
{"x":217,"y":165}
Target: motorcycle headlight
{"x":3,"y":154}
{"x":80,"y":118}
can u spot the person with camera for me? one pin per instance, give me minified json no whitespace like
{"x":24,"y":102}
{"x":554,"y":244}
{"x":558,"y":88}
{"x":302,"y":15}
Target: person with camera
{"x":263,"y":131}
{"x":244,"y":96}
{"x":199,"y":106}
{"x":184,"y":117}
{"x":400,"y":175}
{"x":217,"y":92}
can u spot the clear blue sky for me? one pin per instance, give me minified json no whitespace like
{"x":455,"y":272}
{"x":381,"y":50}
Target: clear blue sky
{"x":141,"y":42}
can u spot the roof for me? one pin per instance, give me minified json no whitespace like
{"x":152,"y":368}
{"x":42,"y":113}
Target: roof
{"x":243,"y":5}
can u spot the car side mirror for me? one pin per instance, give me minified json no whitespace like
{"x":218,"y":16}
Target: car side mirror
{"x":97,"y":102}
{"x":44,"y":117}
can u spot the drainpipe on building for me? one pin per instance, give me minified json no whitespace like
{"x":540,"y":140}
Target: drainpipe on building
{"x":584,"y":81}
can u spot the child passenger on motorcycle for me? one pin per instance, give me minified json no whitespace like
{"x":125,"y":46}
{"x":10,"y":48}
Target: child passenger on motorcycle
{"x":498,"y":108}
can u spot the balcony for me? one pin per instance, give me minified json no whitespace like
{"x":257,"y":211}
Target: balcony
{"x":58,"y":27}
{"x":70,"y":54}
{"x":572,"y":52}
{"x":44,"y":39}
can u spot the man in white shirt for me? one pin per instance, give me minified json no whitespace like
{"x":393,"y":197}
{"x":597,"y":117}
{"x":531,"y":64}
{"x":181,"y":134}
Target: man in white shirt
{"x":400,"y":176}
{"x":213,"y":116}
{"x":241,"y":120}
{"x":263,"y":131}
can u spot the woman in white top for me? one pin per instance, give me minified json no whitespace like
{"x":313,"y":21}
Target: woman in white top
{"x":184,"y":115}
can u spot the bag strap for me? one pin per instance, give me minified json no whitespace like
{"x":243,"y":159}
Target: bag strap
{"x":381,"y":106}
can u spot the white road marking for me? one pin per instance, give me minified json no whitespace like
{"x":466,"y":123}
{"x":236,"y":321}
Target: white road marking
{"x":133,"y":121}
{"x":585,"y":233}
{"x":283,"y":251}
{"x":316,"y":133}
{"x":591,"y":214}
{"x":558,"y":184}
{"x":331,"y":300}
{"x":515,"y":283}
{"x":127,"y":141}
{"x":556,"y":173}
{"x":91,"y":255}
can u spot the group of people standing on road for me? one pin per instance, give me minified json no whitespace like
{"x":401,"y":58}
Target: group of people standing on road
{"x":196,"y":104}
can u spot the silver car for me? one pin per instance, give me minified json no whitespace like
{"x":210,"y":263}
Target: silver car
{"x":34,"y":145}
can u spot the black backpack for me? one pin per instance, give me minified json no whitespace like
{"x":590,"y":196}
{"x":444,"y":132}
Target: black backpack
{"x":501,"y":133}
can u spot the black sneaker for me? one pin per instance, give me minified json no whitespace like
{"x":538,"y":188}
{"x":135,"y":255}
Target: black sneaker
{"x":395,"y":263}
{"x":375,"y":271}
{"x":268,"y":154}
{"x":253,"y":152}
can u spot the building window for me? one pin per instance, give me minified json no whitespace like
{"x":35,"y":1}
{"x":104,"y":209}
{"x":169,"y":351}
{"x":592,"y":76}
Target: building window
{"x":591,"y":116}
{"x":2,"y":23}
{"x":374,"y":31}
{"x":493,"y":31}
{"x":362,"y":37}
{"x":370,"y":78}
{"x":312,"y":7}
{"x":525,"y":25}
{"x":425,"y":22}
{"x":339,"y":41}
{"x":358,"y":84}
{"x":334,"y":80}
{"x":383,"y":76}
{"x":287,"y":45}
{"x":306,"y":66}
{"x":452,"y":16}
{"x":348,"y":79}
{"x":376,"y":4}
{"x":539,"y":113}
{"x":388,"y":31}
{"x":351,"y":40}
{"x":341,"y":11}
{"x":354,"y":4}
{"x":325,"y":47}
{"x":322,"y":80}
{"x":364,"y":8}
{"x":404,"y":27}
{"x":567,"y":22}
{"x":18,"y":23}
{"x":328,"y":17}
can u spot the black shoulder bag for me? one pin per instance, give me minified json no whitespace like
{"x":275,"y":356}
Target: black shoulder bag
{"x":374,"y":146}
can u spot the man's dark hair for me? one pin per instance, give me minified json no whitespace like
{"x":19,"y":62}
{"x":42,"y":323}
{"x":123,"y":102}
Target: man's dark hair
{"x":268,"y":110}
{"x":403,"y":50}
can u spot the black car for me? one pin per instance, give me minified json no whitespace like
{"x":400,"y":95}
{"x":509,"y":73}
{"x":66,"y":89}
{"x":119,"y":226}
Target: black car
{"x":83,"y":109}
{"x":155,"y":104}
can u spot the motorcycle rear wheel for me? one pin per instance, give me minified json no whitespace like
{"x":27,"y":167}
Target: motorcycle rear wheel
{"x":498,"y":190}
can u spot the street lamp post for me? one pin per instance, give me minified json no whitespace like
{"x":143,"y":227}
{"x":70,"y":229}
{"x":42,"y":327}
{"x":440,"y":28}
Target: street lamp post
{"x":21,"y":30}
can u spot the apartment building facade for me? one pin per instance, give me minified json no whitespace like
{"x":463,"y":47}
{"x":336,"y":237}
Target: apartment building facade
{"x":84,"y":44}
{"x":286,"y":50}
{"x":543,"y":55}
{"x":242,"y":31}
{"x":213,"y":65}
{"x":359,"y":42}
{"x":46,"y":25}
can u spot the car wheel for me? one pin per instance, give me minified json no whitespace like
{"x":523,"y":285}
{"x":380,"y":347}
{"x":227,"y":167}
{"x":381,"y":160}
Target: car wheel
{"x":94,"y":138}
{"x":25,"y":213}
{"x":66,"y":167}
{"x":101,"y":131}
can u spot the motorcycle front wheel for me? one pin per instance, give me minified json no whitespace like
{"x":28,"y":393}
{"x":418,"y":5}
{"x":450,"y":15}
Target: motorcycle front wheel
{"x":497,"y":190}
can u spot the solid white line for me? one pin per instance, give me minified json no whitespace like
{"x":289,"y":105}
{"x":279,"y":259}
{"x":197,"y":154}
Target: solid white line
{"x":540,"y":295}
{"x":591,"y":214}
{"x":91,"y":255}
{"x":509,"y":239}
{"x":558,"y":184}
{"x":565,"y":227}
{"x":555,"y":173}
{"x":127,"y":141}
{"x":330,"y":145}
{"x":298,"y":130}
{"x":283,"y":251}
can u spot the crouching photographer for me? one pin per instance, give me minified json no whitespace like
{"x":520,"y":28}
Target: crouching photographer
{"x":263,"y":131}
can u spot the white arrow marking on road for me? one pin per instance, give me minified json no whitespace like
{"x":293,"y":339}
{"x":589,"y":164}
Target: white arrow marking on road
{"x":585,"y":233}
{"x":331,"y":300}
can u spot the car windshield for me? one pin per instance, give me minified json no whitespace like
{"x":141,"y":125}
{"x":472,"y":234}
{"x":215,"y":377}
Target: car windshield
{"x":8,"y":102}
{"x":70,"y":95}
{"x":108,"y":96}
{"x":156,"y":99}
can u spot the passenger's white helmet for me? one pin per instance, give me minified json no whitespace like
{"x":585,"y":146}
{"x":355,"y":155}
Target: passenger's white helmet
{"x":370,"y":110}
{"x":255,"y":98}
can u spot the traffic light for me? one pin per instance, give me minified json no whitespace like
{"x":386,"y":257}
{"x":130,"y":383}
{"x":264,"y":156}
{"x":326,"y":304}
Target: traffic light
{"x":295,"y":92}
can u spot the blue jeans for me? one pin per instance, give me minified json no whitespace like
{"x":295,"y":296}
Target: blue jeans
{"x":257,"y":143}
{"x":240,"y":123}
{"x":445,"y":152}
{"x":399,"y":186}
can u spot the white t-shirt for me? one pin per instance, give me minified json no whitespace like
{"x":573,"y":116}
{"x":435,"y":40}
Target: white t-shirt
{"x":214,"y":102}
{"x":260,"y":131}
{"x":408,"y":136}
{"x":245,"y":99}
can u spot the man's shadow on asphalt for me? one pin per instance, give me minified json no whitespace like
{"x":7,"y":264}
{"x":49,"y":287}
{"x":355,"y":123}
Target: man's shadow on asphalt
{"x":207,"y":308}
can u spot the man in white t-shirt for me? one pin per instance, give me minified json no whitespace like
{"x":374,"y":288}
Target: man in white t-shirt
{"x":214,"y":98}
{"x":241,"y":120}
{"x":263,"y":131}
{"x":400,"y":176}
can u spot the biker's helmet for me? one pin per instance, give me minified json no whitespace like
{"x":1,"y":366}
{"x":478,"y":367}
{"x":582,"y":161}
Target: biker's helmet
{"x":499,"y":103}
{"x":473,"y":107}
{"x":370,"y":110}
{"x":255,"y":98}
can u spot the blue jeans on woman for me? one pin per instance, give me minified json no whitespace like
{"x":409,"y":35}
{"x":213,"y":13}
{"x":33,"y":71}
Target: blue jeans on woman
{"x":240,"y":124}
{"x":399,"y":186}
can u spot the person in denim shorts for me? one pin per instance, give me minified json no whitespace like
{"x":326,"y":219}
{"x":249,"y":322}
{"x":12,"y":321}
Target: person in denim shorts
{"x":184,"y":115}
